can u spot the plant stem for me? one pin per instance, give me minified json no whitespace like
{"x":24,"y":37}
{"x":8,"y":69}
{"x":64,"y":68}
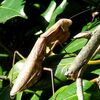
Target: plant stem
{"x":85,"y":54}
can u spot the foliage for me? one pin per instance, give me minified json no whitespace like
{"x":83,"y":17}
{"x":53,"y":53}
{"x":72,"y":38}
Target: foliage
{"x":10,"y":9}
{"x":20,"y":20}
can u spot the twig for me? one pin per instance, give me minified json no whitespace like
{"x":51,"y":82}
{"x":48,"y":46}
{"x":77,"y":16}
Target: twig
{"x":85,"y":54}
{"x":96,"y":51}
{"x":93,"y":62}
{"x":79,"y":83}
{"x":96,"y":80}
{"x":79,"y":89}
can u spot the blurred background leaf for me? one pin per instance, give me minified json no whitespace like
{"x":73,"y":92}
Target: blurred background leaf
{"x":10,"y":9}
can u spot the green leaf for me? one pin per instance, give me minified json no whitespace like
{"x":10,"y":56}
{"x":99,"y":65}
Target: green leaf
{"x":49,"y":11}
{"x":97,"y":71}
{"x":86,"y":85}
{"x":15,"y":70}
{"x":97,"y":56}
{"x":59,"y":91}
{"x":19,"y":96}
{"x":91,"y":25}
{"x":37,"y":95}
{"x":74,"y":97}
{"x":75,"y":45}
{"x":69,"y":92}
{"x":10,"y":9}
{"x":62,"y":67}
{"x":57,"y":12}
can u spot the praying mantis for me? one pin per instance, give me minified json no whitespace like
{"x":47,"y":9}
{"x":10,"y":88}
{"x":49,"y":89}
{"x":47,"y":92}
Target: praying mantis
{"x":33,"y":68}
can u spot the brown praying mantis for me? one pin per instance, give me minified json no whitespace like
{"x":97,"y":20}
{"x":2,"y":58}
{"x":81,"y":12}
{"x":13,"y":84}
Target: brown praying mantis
{"x":32,"y":70}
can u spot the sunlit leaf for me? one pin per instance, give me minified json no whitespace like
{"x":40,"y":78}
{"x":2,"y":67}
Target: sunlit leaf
{"x":69,"y":92}
{"x":19,"y":96}
{"x":10,"y":9}
{"x":57,"y":12}
{"x":97,"y":71}
{"x":49,"y":11}
{"x":75,"y":45}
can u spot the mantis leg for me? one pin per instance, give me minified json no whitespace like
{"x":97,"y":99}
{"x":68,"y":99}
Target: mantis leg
{"x":19,"y":54}
{"x":62,"y":47}
{"x":55,"y":43}
{"x":14,"y":57}
{"x":53,"y":46}
{"x":52,"y":77}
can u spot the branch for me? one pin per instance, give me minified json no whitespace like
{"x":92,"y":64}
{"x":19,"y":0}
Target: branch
{"x":97,"y":81}
{"x":80,"y":85}
{"x":79,"y":89}
{"x":85,"y":54}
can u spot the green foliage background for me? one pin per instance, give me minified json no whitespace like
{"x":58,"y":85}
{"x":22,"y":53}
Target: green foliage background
{"x":20,"y":20}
